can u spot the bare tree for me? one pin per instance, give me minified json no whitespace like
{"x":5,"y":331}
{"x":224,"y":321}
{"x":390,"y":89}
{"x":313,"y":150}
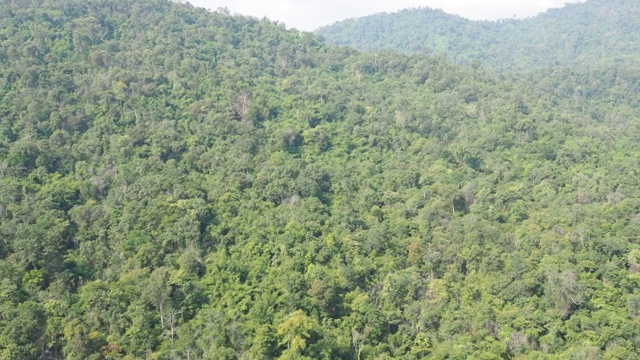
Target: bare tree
{"x":242,"y":105}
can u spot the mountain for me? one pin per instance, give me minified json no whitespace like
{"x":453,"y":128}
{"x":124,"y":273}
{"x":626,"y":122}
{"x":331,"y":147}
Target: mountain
{"x":180,"y":184}
{"x":588,"y":35}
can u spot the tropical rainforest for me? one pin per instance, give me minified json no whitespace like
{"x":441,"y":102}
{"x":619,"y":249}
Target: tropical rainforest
{"x":183,"y":184}
{"x":586,"y":35}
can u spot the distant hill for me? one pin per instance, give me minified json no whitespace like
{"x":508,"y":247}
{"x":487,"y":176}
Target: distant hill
{"x":594,"y":33}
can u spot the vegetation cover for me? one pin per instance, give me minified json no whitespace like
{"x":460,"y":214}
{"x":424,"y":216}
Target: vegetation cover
{"x":179,"y":184}
{"x":586,"y":35}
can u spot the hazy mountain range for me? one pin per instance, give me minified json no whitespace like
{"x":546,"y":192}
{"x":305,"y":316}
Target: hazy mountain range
{"x":590,"y":34}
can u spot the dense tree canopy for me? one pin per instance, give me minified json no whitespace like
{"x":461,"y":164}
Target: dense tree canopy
{"x":589,"y":34}
{"x":179,"y":184}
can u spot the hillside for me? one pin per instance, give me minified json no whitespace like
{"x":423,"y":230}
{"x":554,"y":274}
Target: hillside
{"x":596,"y":33}
{"x":179,"y":184}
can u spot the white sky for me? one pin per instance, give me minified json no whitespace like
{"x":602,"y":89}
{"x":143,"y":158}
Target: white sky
{"x":309,"y":14}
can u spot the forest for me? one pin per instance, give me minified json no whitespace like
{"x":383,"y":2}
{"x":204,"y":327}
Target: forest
{"x":585,"y":36}
{"x":183,"y":184}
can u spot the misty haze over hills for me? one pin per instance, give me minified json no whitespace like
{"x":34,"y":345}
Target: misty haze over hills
{"x":591,"y":34}
{"x":308,"y":15}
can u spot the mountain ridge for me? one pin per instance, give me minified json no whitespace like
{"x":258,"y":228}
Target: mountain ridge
{"x":573,"y":36}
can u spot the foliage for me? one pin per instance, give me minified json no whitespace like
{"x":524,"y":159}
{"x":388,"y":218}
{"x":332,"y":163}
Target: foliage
{"x":179,"y":184}
{"x":588,"y":34}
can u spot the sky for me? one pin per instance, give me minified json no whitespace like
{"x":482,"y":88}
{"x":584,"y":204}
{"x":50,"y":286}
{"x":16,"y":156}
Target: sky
{"x":308,"y":15}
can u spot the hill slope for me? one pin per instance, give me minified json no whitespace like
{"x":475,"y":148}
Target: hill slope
{"x":177,"y":184}
{"x":590,"y":34}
